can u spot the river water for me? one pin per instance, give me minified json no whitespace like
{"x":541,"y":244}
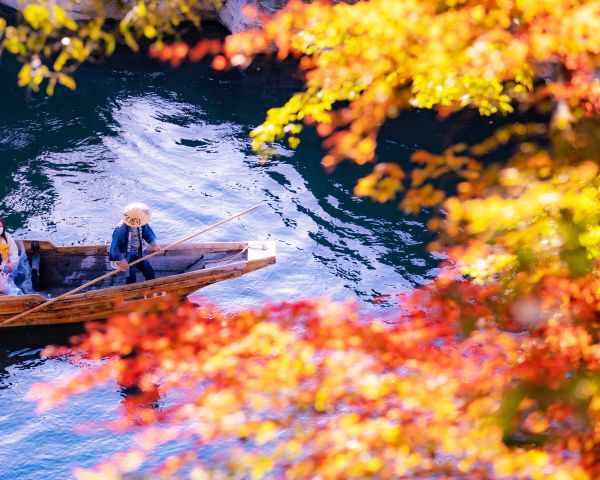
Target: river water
{"x":135,"y":130}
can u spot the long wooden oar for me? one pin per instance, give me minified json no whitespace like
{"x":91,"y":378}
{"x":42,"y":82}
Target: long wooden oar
{"x":114,"y":272}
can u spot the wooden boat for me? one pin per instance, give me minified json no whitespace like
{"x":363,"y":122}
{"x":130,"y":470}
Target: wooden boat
{"x":180,"y":271}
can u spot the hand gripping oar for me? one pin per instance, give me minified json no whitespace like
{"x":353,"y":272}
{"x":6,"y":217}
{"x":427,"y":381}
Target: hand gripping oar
{"x":114,"y":272}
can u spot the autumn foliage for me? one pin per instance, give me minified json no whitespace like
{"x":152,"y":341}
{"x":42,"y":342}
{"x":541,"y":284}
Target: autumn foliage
{"x":51,"y":45}
{"x":492,"y":370}
{"x":454,"y":385}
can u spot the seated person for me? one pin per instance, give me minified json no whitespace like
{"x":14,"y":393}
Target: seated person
{"x":9,"y":259}
{"x":128,"y":242}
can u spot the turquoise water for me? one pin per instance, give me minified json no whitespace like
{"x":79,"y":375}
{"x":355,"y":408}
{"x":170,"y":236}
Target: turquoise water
{"x":178,"y":140}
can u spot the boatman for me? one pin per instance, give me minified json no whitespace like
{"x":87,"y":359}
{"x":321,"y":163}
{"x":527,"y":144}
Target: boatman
{"x":128,"y":242}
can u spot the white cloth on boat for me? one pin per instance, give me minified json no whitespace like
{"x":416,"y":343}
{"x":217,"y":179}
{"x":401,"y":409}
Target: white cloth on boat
{"x":22,"y":274}
{"x":8,"y":287}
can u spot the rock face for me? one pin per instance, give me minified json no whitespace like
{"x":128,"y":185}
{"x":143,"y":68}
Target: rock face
{"x":232,"y":18}
{"x":229,"y":15}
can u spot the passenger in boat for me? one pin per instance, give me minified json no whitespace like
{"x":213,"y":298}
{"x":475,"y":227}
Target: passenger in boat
{"x":128,"y":242}
{"x":9,"y":259}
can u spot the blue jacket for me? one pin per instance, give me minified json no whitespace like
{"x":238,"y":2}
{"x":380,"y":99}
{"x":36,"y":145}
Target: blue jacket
{"x":119,"y":246}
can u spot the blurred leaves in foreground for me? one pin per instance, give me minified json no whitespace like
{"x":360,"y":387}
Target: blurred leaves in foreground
{"x":453,"y":386}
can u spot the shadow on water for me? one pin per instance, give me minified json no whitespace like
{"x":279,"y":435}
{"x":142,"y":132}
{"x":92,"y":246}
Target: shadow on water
{"x":38,"y":336}
{"x":20,"y":347}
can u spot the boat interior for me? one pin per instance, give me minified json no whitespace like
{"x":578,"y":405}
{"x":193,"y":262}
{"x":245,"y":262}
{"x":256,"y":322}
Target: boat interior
{"x":55,"y":270}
